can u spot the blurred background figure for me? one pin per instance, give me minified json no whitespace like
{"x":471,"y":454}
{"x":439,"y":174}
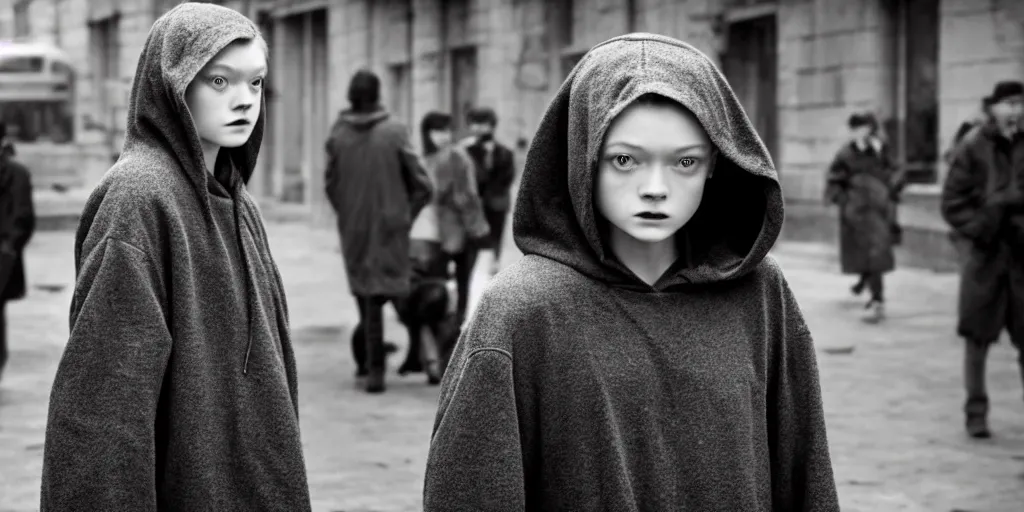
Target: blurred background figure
{"x":495,"y":172}
{"x":983,"y":201}
{"x":864,"y":182}
{"x":377,"y":186}
{"x":453,"y":220}
{"x":17,"y":223}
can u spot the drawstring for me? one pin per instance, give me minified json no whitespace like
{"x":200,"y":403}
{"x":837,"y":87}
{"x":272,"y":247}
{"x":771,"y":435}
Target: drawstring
{"x":245,"y":267}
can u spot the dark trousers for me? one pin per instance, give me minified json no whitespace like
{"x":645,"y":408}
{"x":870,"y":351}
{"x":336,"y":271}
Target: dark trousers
{"x":875,"y":283}
{"x":496,"y":221}
{"x":368,"y":338}
{"x":975,"y":357}
{"x":3,"y":335}
{"x":464,"y":263}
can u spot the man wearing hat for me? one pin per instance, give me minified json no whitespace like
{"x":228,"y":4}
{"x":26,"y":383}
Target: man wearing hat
{"x":983,"y":202}
{"x":17,"y":222}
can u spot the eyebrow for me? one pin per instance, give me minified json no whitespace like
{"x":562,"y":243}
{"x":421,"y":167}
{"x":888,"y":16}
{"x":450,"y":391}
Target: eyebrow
{"x":641,"y":148}
{"x":218,"y":65}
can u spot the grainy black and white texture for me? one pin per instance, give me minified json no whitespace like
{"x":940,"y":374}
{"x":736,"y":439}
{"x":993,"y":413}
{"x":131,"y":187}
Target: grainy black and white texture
{"x":578,"y":387}
{"x":177,"y":389}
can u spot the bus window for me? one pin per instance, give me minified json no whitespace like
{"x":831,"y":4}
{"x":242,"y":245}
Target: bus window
{"x":21,"y":65}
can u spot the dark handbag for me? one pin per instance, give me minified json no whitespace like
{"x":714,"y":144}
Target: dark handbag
{"x":897,"y":232}
{"x":7,"y":260}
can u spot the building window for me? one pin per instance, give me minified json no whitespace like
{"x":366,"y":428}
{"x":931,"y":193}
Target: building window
{"x":565,"y":38}
{"x":569,"y":60}
{"x":22,"y":26}
{"x":105,"y":54}
{"x":400,"y":102}
{"x":464,"y":86}
{"x":919,"y":20}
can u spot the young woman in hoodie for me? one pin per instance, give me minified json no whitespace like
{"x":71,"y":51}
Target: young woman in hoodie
{"x":646,"y":353}
{"x":452,"y":220}
{"x":177,"y":387}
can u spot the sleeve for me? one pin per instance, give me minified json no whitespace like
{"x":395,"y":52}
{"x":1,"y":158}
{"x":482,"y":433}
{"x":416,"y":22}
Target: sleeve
{"x":331,"y":173}
{"x":837,"y":180}
{"x":100,"y":449}
{"x":24,"y":224}
{"x":476,"y":457}
{"x":465,"y":196}
{"x":964,"y":205}
{"x":801,"y":466}
{"x":417,"y":182}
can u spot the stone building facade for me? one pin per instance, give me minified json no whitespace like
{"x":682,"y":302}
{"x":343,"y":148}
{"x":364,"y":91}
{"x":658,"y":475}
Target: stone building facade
{"x":800,"y":67}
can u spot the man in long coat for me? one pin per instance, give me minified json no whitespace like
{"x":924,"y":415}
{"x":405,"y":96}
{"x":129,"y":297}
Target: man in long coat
{"x":983,"y":202}
{"x":377,"y":186}
{"x":17,"y":223}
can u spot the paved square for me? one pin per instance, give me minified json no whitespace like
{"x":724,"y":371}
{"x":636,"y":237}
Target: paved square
{"x":892,"y":404}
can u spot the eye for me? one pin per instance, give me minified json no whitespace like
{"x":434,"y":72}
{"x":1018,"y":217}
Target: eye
{"x":219,"y":82}
{"x":258,"y":82}
{"x":687,"y":162}
{"x":623,"y":162}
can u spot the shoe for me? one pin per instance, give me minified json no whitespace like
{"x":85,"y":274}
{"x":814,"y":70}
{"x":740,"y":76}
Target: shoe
{"x":858,"y":288}
{"x":433,"y":373}
{"x":876,"y":312}
{"x":361,"y":371}
{"x":410,"y":367}
{"x":375,"y":381}
{"x":977,"y":427}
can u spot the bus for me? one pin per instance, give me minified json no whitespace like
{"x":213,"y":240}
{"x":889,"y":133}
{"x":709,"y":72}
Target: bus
{"x":36,"y":93}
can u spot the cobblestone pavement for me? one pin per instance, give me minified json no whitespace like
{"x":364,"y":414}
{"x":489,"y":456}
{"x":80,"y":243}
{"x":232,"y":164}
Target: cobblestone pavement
{"x":892,"y":391}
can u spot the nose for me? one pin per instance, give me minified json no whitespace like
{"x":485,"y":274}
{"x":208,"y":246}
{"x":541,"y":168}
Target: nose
{"x":654,"y":188}
{"x":244,"y":99}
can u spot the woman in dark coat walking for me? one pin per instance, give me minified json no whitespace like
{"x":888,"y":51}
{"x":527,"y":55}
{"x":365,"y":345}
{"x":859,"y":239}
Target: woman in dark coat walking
{"x":17,"y":223}
{"x":865,"y":184}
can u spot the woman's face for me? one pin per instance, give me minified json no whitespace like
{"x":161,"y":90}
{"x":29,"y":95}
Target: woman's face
{"x":652,"y":169}
{"x":224,"y":98}
{"x":440,"y":138}
{"x":860,"y":133}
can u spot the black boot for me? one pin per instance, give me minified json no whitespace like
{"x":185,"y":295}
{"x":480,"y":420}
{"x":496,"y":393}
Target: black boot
{"x":976,"y":406}
{"x":858,"y":288}
{"x":410,"y":365}
{"x":375,"y":381}
{"x":434,"y":373}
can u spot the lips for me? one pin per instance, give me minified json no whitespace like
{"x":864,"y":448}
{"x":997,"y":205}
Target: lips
{"x":239,"y":122}
{"x":652,"y":215}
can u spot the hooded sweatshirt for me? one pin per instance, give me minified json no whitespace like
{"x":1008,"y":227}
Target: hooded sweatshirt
{"x":177,"y":387}
{"x":577,"y":386}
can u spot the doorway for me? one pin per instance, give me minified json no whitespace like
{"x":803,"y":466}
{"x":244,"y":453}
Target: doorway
{"x":750,"y":63}
{"x":300,"y":106}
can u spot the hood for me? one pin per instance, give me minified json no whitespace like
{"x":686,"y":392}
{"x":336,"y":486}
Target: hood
{"x":160,"y":126}
{"x":741,"y":214}
{"x":362,"y":120}
{"x":179,"y":45}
